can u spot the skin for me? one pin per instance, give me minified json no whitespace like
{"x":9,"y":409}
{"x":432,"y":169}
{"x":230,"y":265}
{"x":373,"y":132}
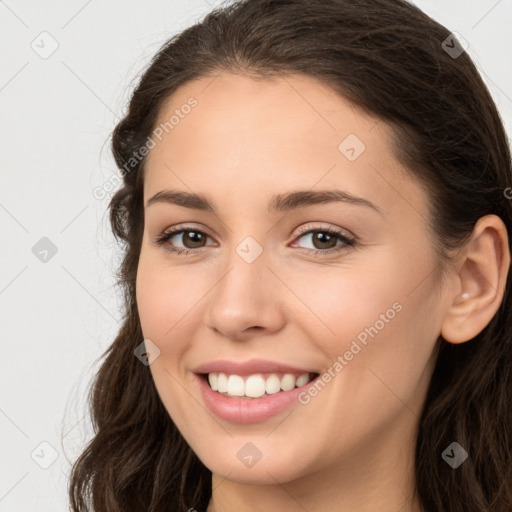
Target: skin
{"x":351,"y":447}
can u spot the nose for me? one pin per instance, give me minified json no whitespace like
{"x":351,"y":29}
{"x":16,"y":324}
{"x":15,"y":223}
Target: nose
{"x":245,"y":302}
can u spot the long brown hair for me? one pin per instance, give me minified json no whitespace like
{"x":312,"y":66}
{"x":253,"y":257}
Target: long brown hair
{"x":395,"y":62}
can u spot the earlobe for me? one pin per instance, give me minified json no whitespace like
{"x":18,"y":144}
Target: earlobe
{"x":482,"y":278}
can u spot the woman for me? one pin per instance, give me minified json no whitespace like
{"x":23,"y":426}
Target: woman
{"x":316,"y":227}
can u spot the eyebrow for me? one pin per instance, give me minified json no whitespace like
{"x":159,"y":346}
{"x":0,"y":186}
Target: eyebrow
{"x":278,"y":203}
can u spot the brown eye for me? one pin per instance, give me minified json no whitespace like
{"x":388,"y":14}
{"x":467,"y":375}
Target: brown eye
{"x":191,"y":239}
{"x":323,"y":240}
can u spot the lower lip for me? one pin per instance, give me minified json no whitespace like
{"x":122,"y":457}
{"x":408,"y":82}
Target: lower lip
{"x":248,"y":410}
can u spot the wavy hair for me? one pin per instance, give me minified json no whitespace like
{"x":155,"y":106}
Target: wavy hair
{"x":393,"y":61}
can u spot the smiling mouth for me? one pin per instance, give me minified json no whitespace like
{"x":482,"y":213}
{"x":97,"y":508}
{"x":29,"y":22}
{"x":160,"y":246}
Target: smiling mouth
{"x":256,"y":385}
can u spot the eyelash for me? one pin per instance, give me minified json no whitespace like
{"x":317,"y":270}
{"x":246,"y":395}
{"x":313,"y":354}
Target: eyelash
{"x":168,"y":234}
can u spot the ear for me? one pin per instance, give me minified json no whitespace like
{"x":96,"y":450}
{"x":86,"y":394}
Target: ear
{"x":482,"y":273}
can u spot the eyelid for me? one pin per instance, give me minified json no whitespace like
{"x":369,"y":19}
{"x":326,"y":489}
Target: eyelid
{"x":185,"y":227}
{"x":180,"y":228}
{"x":348,"y":239}
{"x":305,"y":228}
{"x":301,"y":230}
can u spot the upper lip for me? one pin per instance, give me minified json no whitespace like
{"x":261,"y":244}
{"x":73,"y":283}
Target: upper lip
{"x":249,"y":367}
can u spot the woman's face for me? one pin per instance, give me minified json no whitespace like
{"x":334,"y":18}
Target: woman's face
{"x":270,"y":290}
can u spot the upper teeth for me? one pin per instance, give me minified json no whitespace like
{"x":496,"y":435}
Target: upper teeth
{"x":256,"y":385}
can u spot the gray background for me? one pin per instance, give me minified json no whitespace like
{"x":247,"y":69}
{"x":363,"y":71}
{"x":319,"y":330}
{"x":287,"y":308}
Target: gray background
{"x":58,"y":312}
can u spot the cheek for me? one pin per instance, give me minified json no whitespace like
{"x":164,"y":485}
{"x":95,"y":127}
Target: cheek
{"x":379,"y":318}
{"x":344,"y":301}
{"x":165,"y":298}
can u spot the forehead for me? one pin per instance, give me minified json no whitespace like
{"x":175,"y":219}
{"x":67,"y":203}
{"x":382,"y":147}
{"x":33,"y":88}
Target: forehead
{"x":283,"y":134}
